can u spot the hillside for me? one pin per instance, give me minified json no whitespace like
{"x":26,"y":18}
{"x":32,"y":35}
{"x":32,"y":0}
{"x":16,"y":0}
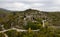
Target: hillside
{"x":53,"y":17}
{"x":14,"y":23}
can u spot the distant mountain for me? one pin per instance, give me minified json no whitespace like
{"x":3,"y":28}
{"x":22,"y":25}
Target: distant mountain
{"x":1,"y":9}
{"x":4,"y":10}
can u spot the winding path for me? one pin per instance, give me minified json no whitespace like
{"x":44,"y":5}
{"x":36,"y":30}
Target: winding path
{"x":5,"y":35}
{"x":18,"y":30}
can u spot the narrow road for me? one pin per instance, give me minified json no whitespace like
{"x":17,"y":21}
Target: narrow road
{"x":18,"y":30}
{"x":5,"y":35}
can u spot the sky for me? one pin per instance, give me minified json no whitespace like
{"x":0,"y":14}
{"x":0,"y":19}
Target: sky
{"x":20,"y":5}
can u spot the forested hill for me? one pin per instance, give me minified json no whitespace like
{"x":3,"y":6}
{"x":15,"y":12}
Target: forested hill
{"x":6,"y":15}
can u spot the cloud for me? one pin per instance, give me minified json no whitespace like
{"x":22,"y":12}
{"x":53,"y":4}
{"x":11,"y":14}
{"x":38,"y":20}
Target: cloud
{"x":15,"y":6}
{"x":45,"y":5}
{"x":38,"y":4}
{"x":56,"y":2}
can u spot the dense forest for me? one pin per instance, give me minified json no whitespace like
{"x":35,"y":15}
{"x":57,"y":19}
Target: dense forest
{"x":30,"y":19}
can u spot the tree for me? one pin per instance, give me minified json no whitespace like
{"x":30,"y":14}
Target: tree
{"x":32,"y":25}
